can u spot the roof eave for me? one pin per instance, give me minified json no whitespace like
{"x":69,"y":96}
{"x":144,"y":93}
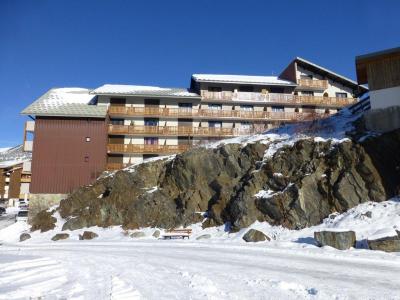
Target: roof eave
{"x":241,"y":82}
{"x":145,"y":95}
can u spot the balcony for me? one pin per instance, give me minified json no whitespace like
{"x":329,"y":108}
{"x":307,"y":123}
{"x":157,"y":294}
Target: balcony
{"x":207,"y":113}
{"x":146,"y":149}
{"x":234,"y":96}
{"x":314,"y":84}
{"x":179,"y":131}
{"x":279,"y":98}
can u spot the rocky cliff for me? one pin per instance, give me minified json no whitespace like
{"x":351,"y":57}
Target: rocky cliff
{"x":295,"y":183}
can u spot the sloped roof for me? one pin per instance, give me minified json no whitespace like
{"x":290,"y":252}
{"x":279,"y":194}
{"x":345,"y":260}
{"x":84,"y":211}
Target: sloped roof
{"x":328,"y":73}
{"x":72,"y":102}
{"x":139,"y":90}
{"x":242,"y":79}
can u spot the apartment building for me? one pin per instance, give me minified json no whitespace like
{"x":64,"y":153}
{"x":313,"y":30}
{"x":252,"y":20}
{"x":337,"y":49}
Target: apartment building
{"x":78,"y":133}
{"x":15,"y":175}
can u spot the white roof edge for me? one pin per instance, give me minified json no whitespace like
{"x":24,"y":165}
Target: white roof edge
{"x":247,"y":79}
{"x":145,"y":95}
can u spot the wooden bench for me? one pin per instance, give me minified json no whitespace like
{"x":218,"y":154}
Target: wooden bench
{"x":177,"y":233}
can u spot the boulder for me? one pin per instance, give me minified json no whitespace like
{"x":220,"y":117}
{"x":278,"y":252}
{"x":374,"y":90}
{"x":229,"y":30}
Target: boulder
{"x":387,"y":244}
{"x":43,"y":221}
{"x":156,"y":234}
{"x":337,"y":239}
{"x":88,"y":235}
{"x":74,"y":223}
{"x":255,"y":236}
{"x":138,"y":234}
{"x":24,"y":237}
{"x":204,"y":237}
{"x":60,"y":236}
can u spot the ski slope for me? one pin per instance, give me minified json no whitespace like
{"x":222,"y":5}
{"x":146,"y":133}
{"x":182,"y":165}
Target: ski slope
{"x":193,"y":270}
{"x":290,"y":266}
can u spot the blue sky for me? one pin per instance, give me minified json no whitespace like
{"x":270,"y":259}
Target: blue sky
{"x":46,"y":43}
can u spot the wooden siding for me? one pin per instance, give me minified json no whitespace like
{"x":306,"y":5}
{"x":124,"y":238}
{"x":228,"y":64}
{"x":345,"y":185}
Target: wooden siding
{"x":290,"y":72}
{"x":15,"y":183}
{"x":384,"y":74}
{"x":2,"y":182}
{"x":62,"y":158}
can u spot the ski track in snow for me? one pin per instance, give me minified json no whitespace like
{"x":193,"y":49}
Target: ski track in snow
{"x":193,"y":270}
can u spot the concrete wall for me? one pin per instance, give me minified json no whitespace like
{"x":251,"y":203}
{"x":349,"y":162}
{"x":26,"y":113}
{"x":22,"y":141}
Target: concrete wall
{"x":39,"y":202}
{"x":383,"y":120}
{"x":385,"y":97}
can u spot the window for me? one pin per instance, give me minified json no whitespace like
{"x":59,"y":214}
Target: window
{"x":306,"y":76}
{"x":278,"y":90}
{"x":246,"y":88}
{"x":117,"y":101}
{"x":245,"y":125}
{"x":117,"y":121}
{"x":215,"y":89}
{"x":214,"y":124}
{"x":307,"y":93}
{"x":87,"y":139}
{"x":215,"y":106}
{"x":151,"y":140}
{"x":150,"y":122}
{"x":151,"y":102}
{"x":86,"y":159}
{"x":341,"y":95}
{"x":278,"y":108}
{"x":247,"y":107}
{"x":185,"y":105}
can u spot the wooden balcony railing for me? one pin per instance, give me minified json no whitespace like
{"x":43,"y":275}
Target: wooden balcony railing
{"x":313,"y":83}
{"x":207,"y":113}
{"x":180,"y":131}
{"x":146,"y":149}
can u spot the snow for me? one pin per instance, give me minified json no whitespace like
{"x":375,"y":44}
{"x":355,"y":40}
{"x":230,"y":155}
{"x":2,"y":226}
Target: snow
{"x":333,"y":129}
{"x":13,"y":156}
{"x":142,"y":89}
{"x":264,"y":194}
{"x":116,"y":266}
{"x":249,"y":79}
{"x":60,"y":96}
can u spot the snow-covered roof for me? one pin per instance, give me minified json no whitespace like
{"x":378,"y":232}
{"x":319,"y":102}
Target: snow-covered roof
{"x":139,"y":90}
{"x":73,"y":102}
{"x":13,"y":156}
{"x":242,"y":79}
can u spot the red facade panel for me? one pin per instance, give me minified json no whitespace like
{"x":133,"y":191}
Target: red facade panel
{"x":67,"y":153}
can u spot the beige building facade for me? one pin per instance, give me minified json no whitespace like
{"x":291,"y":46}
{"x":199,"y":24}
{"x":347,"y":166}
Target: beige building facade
{"x":146,"y":121}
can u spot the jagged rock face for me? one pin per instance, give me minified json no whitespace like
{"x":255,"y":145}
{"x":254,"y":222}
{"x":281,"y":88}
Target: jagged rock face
{"x":305,"y":182}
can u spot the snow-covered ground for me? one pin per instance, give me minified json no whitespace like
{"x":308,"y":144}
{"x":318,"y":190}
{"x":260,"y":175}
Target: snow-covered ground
{"x":290,"y":266}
